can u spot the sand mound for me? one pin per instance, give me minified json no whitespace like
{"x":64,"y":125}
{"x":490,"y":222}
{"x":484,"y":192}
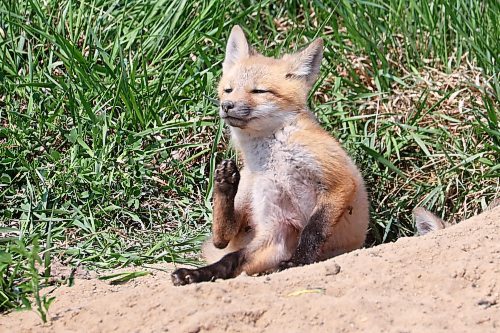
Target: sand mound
{"x":446,"y":281}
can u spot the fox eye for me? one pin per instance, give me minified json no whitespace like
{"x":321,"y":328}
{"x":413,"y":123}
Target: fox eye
{"x":259,"y":91}
{"x":228,"y":90}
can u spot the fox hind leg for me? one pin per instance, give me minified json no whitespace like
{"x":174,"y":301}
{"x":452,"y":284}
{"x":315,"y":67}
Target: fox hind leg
{"x":227,"y":267}
{"x":264,"y":254}
{"x":311,"y":241}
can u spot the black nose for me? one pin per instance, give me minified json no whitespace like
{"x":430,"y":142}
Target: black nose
{"x":227,"y":105}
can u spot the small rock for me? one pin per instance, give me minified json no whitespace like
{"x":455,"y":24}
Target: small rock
{"x":194,"y":329}
{"x":486,"y":303}
{"x":332,"y":269}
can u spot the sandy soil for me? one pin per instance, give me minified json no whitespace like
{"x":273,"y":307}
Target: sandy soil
{"x":446,"y":281}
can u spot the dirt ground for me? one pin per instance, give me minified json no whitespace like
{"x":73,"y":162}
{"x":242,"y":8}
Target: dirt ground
{"x":446,"y":281}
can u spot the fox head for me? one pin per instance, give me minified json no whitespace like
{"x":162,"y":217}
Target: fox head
{"x":257,"y":93}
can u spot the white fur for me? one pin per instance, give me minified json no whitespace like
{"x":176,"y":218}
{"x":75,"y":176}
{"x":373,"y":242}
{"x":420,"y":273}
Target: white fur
{"x":266,"y":118}
{"x":280,"y":184}
{"x":279,"y":178}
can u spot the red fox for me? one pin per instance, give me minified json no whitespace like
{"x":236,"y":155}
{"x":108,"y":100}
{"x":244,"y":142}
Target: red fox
{"x":299,"y":197}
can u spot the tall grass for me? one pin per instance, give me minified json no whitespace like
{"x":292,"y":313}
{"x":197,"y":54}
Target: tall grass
{"x":109,"y":130}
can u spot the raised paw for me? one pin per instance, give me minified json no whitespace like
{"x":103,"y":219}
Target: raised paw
{"x":227,"y":177}
{"x":183,"y":276}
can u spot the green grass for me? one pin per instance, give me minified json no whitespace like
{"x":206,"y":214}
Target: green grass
{"x":109,"y":131}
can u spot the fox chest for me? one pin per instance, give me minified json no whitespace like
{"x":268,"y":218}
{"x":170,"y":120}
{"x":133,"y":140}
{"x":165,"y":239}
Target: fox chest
{"x":280,"y":181}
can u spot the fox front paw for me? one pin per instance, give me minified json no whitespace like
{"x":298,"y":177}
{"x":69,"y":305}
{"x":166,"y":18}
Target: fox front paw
{"x":227,"y":177}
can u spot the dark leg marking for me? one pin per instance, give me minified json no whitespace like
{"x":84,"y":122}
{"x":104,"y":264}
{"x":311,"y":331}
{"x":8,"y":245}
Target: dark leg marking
{"x":227,"y":178}
{"x":225,"y":226}
{"x":311,"y":241}
{"x":226,"y":268}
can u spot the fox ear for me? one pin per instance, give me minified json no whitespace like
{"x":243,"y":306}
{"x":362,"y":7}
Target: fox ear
{"x":237,"y":48}
{"x":306,"y":63}
{"x":425,"y":221}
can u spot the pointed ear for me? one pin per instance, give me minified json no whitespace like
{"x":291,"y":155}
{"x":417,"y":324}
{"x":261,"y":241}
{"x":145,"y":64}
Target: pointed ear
{"x":425,"y":221}
{"x":237,"y":48}
{"x":493,"y":204}
{"x":305,"y":64}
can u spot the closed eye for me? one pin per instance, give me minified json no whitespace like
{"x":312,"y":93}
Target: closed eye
{"x":260,"y":91}
{"x":228,"y":90}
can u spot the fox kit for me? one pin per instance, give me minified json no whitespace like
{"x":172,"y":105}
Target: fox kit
{"x":299,"y":197}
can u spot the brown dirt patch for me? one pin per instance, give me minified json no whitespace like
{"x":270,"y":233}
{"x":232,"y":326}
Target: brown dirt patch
{"x":446,"y":281}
